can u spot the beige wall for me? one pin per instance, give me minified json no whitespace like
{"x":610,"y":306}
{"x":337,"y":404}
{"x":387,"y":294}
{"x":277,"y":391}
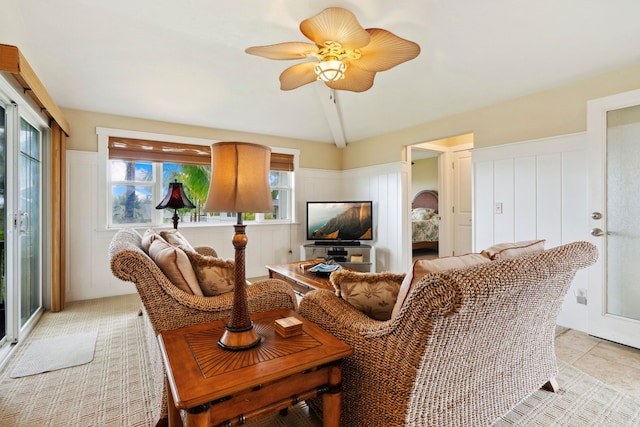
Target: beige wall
{"x":424,"y":175}
{"x":557,"y":111}
{"x":83,"y":136}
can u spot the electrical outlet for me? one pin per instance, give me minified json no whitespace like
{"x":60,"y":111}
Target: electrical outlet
{"x":498,"y":208}
{"x":581,"y":296}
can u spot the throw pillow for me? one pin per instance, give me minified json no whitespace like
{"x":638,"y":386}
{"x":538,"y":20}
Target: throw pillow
{"x":175,"y":265}
{"x":215,"y":275}
{"x":176,"y":239}
{"x":422,"y":267}
{"x":147,"y":238}
{"x":513,"y":250}
{"x":372,"y":293}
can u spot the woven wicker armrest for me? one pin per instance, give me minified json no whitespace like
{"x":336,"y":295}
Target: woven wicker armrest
{"x":269,"y":294}
{"x":331,"y":311}
{"x":206,"y":250}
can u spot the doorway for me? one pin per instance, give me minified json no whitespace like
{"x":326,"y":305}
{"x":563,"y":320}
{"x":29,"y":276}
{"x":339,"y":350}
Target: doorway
{"x":452,"y":159}
{"x":423,"y":193}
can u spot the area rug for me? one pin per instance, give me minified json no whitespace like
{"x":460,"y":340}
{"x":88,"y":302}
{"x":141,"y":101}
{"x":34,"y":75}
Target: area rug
{"x":50,"y":354}
{"x":298,"y":415}
{"x":582,"y":401}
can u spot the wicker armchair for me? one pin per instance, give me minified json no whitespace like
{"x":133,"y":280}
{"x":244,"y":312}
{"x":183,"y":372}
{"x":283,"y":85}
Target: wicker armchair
{"x":167,"y":307}
{"x":467,"y":345}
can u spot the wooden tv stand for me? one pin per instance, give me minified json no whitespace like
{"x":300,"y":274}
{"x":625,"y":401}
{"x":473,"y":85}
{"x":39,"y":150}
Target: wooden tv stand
{"x":360,"y":257}
{"x":301,"y":280}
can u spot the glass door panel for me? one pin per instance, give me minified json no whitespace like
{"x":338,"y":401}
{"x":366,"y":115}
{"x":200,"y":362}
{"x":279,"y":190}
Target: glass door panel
{"x":623,"y":205}
{"x":29,"y":221}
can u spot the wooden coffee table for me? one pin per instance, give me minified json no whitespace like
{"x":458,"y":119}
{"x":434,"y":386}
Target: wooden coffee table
{"x":301,"y":280}
{"x":220,"y":387}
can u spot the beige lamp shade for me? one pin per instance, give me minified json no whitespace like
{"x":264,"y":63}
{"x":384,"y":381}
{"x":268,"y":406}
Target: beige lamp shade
{"x":239,"y":178}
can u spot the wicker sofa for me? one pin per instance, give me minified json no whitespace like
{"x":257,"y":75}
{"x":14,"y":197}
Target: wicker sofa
{"x":467,"y":345}
{"x":167,"y":307}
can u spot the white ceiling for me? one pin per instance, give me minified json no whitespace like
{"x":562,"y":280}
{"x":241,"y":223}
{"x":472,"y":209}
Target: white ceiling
{"x":184,"y":61}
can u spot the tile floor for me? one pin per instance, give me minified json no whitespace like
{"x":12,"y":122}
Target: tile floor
{"x":613,"y":364}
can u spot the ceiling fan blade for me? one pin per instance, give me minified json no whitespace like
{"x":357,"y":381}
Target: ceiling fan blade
{"x":298,"y":75}
{"x":335,"y":24}
{"x":355,"y":79}
{"x":287,"y":50}
{"x":386,"y":50}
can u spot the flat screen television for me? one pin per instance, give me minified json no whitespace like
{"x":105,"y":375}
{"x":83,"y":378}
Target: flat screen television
{"x":339,"y":221}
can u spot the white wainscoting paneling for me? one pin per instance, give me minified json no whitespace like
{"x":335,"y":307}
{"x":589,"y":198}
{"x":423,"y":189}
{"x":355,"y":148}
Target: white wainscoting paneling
{"x":525,"y":198}
{"x":89,"y":273}
{"x":542,"y":188}
{"x":383,"y":184}
{"x":314,"y":185}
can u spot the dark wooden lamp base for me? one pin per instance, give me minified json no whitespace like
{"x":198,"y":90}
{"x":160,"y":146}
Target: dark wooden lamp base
{"x":239,"y":334}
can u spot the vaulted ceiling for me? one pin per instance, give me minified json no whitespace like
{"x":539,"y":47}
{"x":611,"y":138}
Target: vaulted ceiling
{"x":185,"y":61}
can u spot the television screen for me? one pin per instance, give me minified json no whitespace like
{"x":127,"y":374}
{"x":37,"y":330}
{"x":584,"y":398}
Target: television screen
{"x":347,"y":221}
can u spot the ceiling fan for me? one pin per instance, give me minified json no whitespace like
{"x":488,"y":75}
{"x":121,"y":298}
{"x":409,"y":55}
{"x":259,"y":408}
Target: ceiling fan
{"x":347,"y":56}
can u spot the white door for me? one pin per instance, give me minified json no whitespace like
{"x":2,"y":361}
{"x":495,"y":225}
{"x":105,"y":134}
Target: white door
{"x":462,"y":203}
{"x":614,"y":201}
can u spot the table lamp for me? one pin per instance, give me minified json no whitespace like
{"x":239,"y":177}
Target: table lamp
{"x":175,"y":199}
{"x":239,"y":183}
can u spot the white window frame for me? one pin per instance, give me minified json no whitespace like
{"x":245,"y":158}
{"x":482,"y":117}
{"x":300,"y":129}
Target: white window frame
{"x":104,"y":181}
{"x":155,"y":184}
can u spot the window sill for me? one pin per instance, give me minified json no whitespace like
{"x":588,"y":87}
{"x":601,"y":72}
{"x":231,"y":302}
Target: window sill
{"x":190,"y":225}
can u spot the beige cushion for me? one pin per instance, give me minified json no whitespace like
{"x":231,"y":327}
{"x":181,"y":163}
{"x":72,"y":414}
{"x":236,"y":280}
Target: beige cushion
{"x":176,"y":239}
{"x":147,"y":238}
{"x":175,"y":265}
{"x":513,"y":250}
{"x":372,"y":293}
{"x":215,"y":275}
{"x":422,"y":267}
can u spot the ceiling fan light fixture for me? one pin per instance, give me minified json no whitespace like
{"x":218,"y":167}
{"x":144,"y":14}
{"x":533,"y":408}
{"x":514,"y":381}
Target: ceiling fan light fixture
{"x":330,"y":70}
{"x":339,"y":41}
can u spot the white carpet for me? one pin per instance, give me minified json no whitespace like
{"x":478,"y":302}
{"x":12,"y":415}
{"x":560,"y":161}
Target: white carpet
{"x":50,"y":354}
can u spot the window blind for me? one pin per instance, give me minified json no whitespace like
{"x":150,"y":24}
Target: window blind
{"x":172,"y":152}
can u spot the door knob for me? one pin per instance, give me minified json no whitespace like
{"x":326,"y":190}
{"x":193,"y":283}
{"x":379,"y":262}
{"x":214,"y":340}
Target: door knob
{"x":596,"y":215}
{"x":597,"y":232}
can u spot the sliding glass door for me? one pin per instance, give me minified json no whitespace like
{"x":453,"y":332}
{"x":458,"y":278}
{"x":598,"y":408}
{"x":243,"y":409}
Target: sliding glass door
{"x":29,"y":207}
{"x":21,"y":237}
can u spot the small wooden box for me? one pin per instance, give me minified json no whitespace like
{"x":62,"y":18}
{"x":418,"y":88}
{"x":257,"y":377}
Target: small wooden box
{"x":288,"y":326}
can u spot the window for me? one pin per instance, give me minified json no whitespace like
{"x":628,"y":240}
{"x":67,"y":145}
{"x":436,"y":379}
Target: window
{"x":281,"y":193}
{"x":139,"y":172}
{"x":131,"y":195}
